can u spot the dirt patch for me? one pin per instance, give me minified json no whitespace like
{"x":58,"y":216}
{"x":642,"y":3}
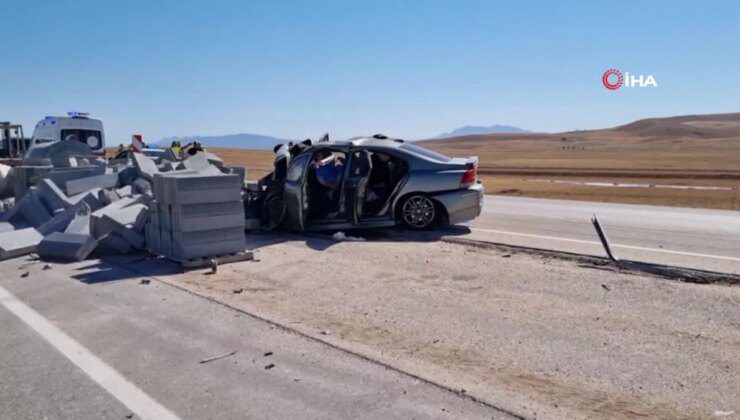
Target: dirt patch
{"x":542,"y":338}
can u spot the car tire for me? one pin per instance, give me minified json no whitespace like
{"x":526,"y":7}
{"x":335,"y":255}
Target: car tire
{"x":418,"y":212}
{"x":274,"y":210}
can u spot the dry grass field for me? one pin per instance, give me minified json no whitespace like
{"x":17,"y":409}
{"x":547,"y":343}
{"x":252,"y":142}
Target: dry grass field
{"x":699,"y":151}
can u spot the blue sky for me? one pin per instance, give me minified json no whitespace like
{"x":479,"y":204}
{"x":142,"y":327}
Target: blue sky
{"x":411,"y":69}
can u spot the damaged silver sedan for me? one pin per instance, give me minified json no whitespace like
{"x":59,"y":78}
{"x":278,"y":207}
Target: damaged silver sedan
{"x":364,"y":182}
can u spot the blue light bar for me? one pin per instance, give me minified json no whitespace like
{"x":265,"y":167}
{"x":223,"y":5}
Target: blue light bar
{"x":78,"y":114}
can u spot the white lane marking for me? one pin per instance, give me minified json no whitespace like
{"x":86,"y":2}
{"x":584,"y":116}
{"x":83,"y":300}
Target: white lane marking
{"x":580,"y":241}
{"x":107,"y":377}
{"x":632,"y":185}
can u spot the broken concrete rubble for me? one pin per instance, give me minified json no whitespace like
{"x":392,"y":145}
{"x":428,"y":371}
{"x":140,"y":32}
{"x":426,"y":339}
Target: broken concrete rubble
{"x":66,"y":246}
{"x":58,"y":154}
{"x":90,"y":198}
{"x":124,"y":191}
{"x":52,"y":196}
{"x":61,"y":176}
{"x":61,"y":221}
{"x":182,"y":209}
{"x":123,"y":202}
{"x":141,"y":186}
{"x":77,"y":186}
{"x":80,"y":223}
{"x":105,"y":222}
{"x":117,"y":243}
{"x":133,"y":236}
{"x":127,"y":175}
{"x":145,"y":166}
{"x":26,"y":176}
{"x":33,"y":211}
{"x":18,"y":242}
{"x":108,"y":196}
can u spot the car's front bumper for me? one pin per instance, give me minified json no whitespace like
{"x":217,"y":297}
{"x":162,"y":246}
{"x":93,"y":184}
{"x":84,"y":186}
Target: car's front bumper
{"x":463,"y":205}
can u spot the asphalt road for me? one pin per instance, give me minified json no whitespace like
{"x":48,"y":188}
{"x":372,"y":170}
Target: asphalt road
{"x":89,"y":341}
{"x":695,"y":238}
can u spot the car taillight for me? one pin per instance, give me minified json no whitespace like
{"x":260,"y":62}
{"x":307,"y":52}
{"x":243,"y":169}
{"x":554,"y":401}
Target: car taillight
{"x":469,"y":177}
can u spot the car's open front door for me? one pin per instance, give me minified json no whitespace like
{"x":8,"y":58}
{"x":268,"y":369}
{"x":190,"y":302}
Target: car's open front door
{"x":296,"y":199}
{"x":355,"y":186}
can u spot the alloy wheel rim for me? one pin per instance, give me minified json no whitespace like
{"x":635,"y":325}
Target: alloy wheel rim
{"x":418,"y":212}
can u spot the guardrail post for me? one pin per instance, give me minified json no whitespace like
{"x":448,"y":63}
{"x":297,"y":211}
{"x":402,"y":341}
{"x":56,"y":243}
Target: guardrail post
{"x":604,"y":239}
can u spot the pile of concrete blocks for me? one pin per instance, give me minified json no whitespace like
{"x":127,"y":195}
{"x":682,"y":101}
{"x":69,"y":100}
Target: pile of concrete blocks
{"x":68,"y":204}
{"x":196,"y":215}
{"x":60,"y":227}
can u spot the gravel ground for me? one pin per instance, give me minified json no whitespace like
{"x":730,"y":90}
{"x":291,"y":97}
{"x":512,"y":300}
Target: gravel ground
{"x":537,"y":336}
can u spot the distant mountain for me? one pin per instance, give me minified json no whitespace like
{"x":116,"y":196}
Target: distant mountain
{"x":232,"y":141}
{"x":470,"y":130}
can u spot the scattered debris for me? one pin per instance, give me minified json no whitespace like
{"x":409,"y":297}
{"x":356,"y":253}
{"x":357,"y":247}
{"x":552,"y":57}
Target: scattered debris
{"x":19,"y":242}
{"x":47,"y":267}
{"x":607,"y":288}
{"x":237,"y":291}
{"x":270,"y":366}
{"x":25,"y":274}
{"x":66,"y":246}
{"x":325,"y":332}
{"x":341,"y":236}
{"x":722,"y":413}
{"x":67,"y":202}
{"x":145,"y":281}
{"x":210,"y":359}
{"x":269,"y":353}
{"x":222,"y":259}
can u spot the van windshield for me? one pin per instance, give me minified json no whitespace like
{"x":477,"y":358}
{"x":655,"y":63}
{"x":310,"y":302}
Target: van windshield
{"x":92,"y":138}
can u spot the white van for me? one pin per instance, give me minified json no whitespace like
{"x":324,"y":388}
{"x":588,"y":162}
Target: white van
{"x":76,"y":126}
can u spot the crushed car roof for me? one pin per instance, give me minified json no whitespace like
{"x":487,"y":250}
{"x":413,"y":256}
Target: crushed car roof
{"x":371,"y":141}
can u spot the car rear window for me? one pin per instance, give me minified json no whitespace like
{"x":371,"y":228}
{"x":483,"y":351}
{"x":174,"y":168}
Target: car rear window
{"x":425,"y":152}
{"x":90,"y":137}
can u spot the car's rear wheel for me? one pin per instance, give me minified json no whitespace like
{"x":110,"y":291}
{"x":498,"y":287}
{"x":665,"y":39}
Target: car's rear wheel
{"x":418,"y":212}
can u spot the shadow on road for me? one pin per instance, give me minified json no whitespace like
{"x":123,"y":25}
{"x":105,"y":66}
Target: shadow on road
{"x":115,"y":267}
{"x":112,"y":267}
{"x":323,"y":240}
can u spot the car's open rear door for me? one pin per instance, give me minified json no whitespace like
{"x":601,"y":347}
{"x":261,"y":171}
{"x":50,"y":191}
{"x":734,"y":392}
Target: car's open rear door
{"x":296,"y":199}
{"x":355,"y":186}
